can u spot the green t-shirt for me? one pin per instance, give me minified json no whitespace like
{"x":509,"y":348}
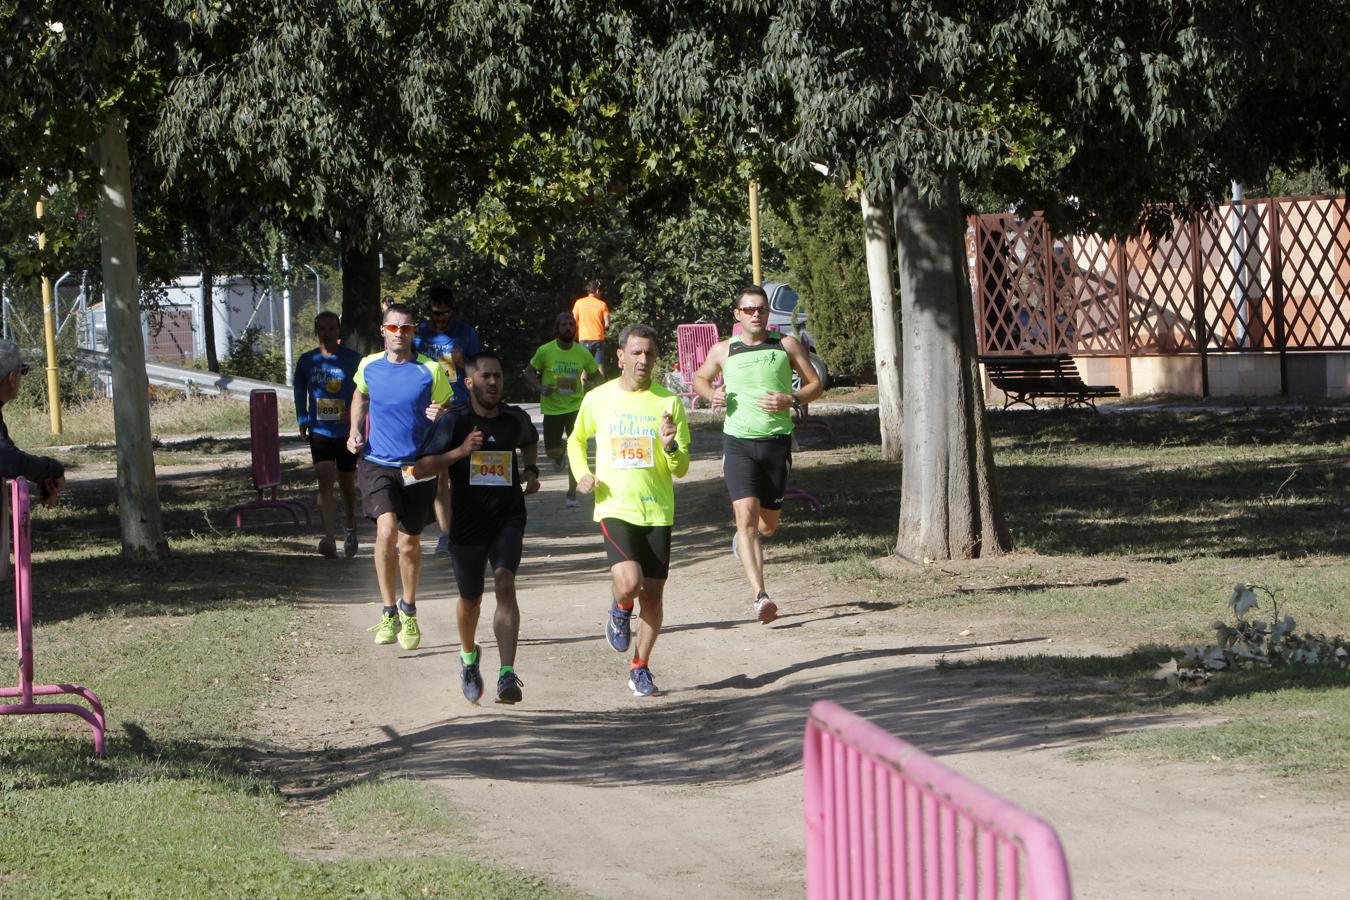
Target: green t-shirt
{"x":562,"y":369}
{"x":750,"y":372}
{"x":633,"y":469}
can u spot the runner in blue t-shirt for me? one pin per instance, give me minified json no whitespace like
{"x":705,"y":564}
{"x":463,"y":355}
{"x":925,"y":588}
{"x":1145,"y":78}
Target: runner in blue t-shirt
{"x":449,"y":341}
{"x":323,"y":399}
{"x":403,"y":393}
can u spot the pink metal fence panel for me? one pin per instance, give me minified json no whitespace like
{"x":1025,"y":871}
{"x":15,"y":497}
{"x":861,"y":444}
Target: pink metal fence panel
{"x":23,"y":597}
{"x":886,"y":820}
{"x":265,"y":445}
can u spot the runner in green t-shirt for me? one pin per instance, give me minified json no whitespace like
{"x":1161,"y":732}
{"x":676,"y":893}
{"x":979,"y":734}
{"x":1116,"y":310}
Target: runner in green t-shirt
{"x":642,"y":443}
{"x":757,"y":367}
{"x":560,"y":371}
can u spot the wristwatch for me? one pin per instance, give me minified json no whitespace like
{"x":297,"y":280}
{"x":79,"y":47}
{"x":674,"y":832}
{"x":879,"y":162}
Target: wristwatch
{"x":672,"y":448}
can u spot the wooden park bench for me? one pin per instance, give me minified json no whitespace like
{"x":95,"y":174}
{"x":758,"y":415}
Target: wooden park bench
{"x":1023,"y":379}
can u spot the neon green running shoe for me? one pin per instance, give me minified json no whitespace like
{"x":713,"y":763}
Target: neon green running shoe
{"x":387,"y":630}
{"x":411,"y":636}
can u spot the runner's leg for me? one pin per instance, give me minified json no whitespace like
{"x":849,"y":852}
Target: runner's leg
{"x":386,"y":556}
{"x":651,"y":612}
{"x":506,"y":620}
{"x":443,"y":506}
{"x":327,"y":474}
{"x":347,"y":482}
{"x":409,"y":565}
{"x":748,"y":517}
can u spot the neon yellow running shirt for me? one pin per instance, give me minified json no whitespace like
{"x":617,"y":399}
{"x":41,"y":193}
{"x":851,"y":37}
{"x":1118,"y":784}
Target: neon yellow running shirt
{"x":562,"y":369}
{"x":632,"y":469}
{"x":750,"y":372}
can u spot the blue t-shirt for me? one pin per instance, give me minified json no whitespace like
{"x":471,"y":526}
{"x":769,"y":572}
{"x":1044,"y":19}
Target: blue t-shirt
{"x":441,"y":345}
{"x":323,"y":391}
{"x":399,"y":396}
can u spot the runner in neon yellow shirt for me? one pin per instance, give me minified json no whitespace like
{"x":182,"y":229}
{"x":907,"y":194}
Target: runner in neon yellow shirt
{"x":642,"y":444}
{"x":561,"y":371}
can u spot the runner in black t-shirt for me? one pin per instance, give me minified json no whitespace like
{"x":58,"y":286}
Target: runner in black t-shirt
{"x":480,"y":447}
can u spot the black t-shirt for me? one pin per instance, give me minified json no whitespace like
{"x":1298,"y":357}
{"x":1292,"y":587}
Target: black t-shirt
{"x":485,"y":488}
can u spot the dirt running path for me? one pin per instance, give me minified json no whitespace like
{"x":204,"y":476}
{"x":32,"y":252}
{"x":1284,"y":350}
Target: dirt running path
{"x":697,"y":792}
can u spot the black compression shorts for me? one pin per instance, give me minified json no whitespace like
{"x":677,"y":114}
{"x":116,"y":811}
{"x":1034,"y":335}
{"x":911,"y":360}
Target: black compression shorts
{"x":557,"y":428}
{"x":323,"y":448}
{"x":646,"y":545}
{"x":503,"y":551}
{"x":757,"y":468}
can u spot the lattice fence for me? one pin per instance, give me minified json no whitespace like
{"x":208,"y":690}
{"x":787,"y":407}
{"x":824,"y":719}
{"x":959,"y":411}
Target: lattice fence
{"x":1255,"y":276}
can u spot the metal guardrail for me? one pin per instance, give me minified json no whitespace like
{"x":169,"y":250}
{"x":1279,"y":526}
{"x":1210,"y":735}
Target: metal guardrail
{"x":188,"y":380}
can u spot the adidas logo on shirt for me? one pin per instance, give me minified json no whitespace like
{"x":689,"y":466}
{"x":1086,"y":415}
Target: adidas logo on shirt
{"x":491,"y":439}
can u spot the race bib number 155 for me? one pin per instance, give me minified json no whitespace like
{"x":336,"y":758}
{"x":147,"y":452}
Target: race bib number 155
{"x":632,"y":452}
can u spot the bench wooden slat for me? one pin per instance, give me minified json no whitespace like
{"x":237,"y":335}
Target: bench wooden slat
{"x":1022,"y":379}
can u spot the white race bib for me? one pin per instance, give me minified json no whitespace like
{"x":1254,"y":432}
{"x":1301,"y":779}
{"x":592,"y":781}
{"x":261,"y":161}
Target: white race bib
{"x":409,"y":480}
{"x":565,"y":384}
{"x":632,"y":452}
{"x":491,"y":468}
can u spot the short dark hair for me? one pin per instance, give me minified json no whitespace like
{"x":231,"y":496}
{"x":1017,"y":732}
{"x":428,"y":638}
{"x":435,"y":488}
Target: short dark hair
{"x":471,"y":364}
{"x":441,"y":294}
{"x":638,"y":330}
{"x":593,"y":287}
{"x":327,"y":314}
{"x":398,"y":308}
{"x":752,"y":290}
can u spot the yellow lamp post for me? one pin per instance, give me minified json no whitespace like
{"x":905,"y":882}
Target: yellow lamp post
{"x":756,"y":273}
{"x":49,"y":331}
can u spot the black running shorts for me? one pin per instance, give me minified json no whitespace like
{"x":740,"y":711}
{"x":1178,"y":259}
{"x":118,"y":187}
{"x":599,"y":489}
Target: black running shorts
{"x":323,"y":448}
{"x":383,"y":491}
{"x":502,"y":552}
{"x":557,"y":428}
{"x":646,"y":545}
{"x":757,"y":468}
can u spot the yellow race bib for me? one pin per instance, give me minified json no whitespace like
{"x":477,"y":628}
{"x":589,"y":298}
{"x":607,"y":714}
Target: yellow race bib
{"x":331,"y":409}
{"x":490,"y":468}
{"x":632,"y":452}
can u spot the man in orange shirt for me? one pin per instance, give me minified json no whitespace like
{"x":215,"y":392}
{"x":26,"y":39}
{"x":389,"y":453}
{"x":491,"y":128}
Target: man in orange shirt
{"x":592,"y":315}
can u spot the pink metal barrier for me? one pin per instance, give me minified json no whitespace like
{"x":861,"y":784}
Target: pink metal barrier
{"x":23,"y":595}
{"x":886,"y":820}
{"x":265,"y":444}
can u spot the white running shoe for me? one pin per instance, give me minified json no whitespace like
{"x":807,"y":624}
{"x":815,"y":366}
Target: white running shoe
{"x":765,"y":609}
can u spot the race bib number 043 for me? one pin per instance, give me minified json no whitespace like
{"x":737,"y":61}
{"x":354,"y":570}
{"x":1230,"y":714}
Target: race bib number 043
{"x":490,"y":468}
{"x":632,"y":452}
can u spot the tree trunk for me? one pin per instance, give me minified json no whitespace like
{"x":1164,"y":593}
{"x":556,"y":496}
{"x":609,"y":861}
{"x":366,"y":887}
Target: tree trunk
{"x":209,"y":316}
{"x":361,"y":314}
{"x":949,"y":505}
{"x":137,"y":492}
{"x":885,"y":328}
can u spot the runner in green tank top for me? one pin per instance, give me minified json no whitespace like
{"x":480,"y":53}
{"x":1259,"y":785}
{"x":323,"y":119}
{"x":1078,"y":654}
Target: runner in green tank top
{"x":756,"y":367}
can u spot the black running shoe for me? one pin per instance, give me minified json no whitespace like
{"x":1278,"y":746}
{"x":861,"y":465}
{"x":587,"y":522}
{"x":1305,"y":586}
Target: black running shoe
{"x":508,"y":688}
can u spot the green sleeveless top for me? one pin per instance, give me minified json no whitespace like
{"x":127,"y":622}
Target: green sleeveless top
{"x":750,"y":372}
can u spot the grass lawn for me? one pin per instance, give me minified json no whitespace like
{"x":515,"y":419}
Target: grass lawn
{"x":182,"y":659}
{"x":1131,"y":530}
{"x":171,"y":414}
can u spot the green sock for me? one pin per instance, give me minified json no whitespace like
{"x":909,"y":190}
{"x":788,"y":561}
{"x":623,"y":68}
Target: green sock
{"x":469,"y":658}
{"x":505,"y":670}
